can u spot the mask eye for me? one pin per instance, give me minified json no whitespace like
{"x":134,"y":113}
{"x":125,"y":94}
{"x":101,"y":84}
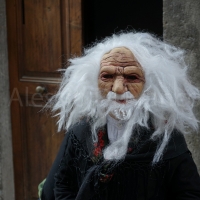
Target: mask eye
{"x":133,"y":78}
{"x":106,"y":77}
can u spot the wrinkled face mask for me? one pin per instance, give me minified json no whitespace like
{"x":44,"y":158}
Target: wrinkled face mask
{"x":121,"y":79}
{"x":120,"y":72}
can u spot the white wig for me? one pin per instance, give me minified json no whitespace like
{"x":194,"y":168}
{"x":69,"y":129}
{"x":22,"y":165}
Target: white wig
{"x":168,"y":96}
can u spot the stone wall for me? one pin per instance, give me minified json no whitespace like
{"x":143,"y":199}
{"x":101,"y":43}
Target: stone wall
{"x":181,"y":24}
{"x":6,"y":163}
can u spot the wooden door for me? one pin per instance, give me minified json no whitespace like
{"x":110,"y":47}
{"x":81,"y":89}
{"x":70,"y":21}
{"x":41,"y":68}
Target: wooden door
{"x":42,"y":34}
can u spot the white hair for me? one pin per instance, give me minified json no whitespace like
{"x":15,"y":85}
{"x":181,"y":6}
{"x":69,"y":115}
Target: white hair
{"x":168,"y":96}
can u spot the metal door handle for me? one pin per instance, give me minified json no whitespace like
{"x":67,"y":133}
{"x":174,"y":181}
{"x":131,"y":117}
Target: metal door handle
{"x":40,"y":89}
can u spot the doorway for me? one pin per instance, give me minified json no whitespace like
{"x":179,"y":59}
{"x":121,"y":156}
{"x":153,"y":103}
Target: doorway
{"x":103,"y":18}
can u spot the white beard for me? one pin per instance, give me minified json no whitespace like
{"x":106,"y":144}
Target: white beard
{"x":121,"y":111}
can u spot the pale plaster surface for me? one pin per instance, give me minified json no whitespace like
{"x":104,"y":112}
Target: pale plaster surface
{"x":6,"y":160}
{"x":181,"y":24}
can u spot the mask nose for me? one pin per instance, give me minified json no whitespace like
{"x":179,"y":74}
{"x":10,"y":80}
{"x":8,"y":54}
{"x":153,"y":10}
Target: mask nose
{"x":119,"y":86}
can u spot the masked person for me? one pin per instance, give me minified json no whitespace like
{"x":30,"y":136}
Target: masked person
{"x":126,"y":105}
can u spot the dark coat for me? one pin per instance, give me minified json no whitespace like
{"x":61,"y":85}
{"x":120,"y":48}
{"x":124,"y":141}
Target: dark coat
{"x":83,"y":174}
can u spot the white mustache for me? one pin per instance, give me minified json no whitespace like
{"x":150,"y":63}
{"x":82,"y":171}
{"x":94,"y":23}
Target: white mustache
{"x":113,"y":96}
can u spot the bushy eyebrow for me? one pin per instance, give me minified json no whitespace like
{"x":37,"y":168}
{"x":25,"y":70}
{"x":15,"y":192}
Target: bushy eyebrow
{"x":109,"y":69}
{"x":126,"y":71}
{"x":132,"y":70}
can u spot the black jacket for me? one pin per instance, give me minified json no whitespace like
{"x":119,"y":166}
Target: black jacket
{"x":83,"y":176}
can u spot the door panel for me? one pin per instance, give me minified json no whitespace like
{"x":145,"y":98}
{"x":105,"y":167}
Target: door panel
{"x":42,"y":35}
{"x":41,"y":38}
{"x":41,"y":145}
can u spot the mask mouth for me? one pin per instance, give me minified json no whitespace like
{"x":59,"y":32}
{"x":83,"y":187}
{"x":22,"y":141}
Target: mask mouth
{"x":122,"y":101}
